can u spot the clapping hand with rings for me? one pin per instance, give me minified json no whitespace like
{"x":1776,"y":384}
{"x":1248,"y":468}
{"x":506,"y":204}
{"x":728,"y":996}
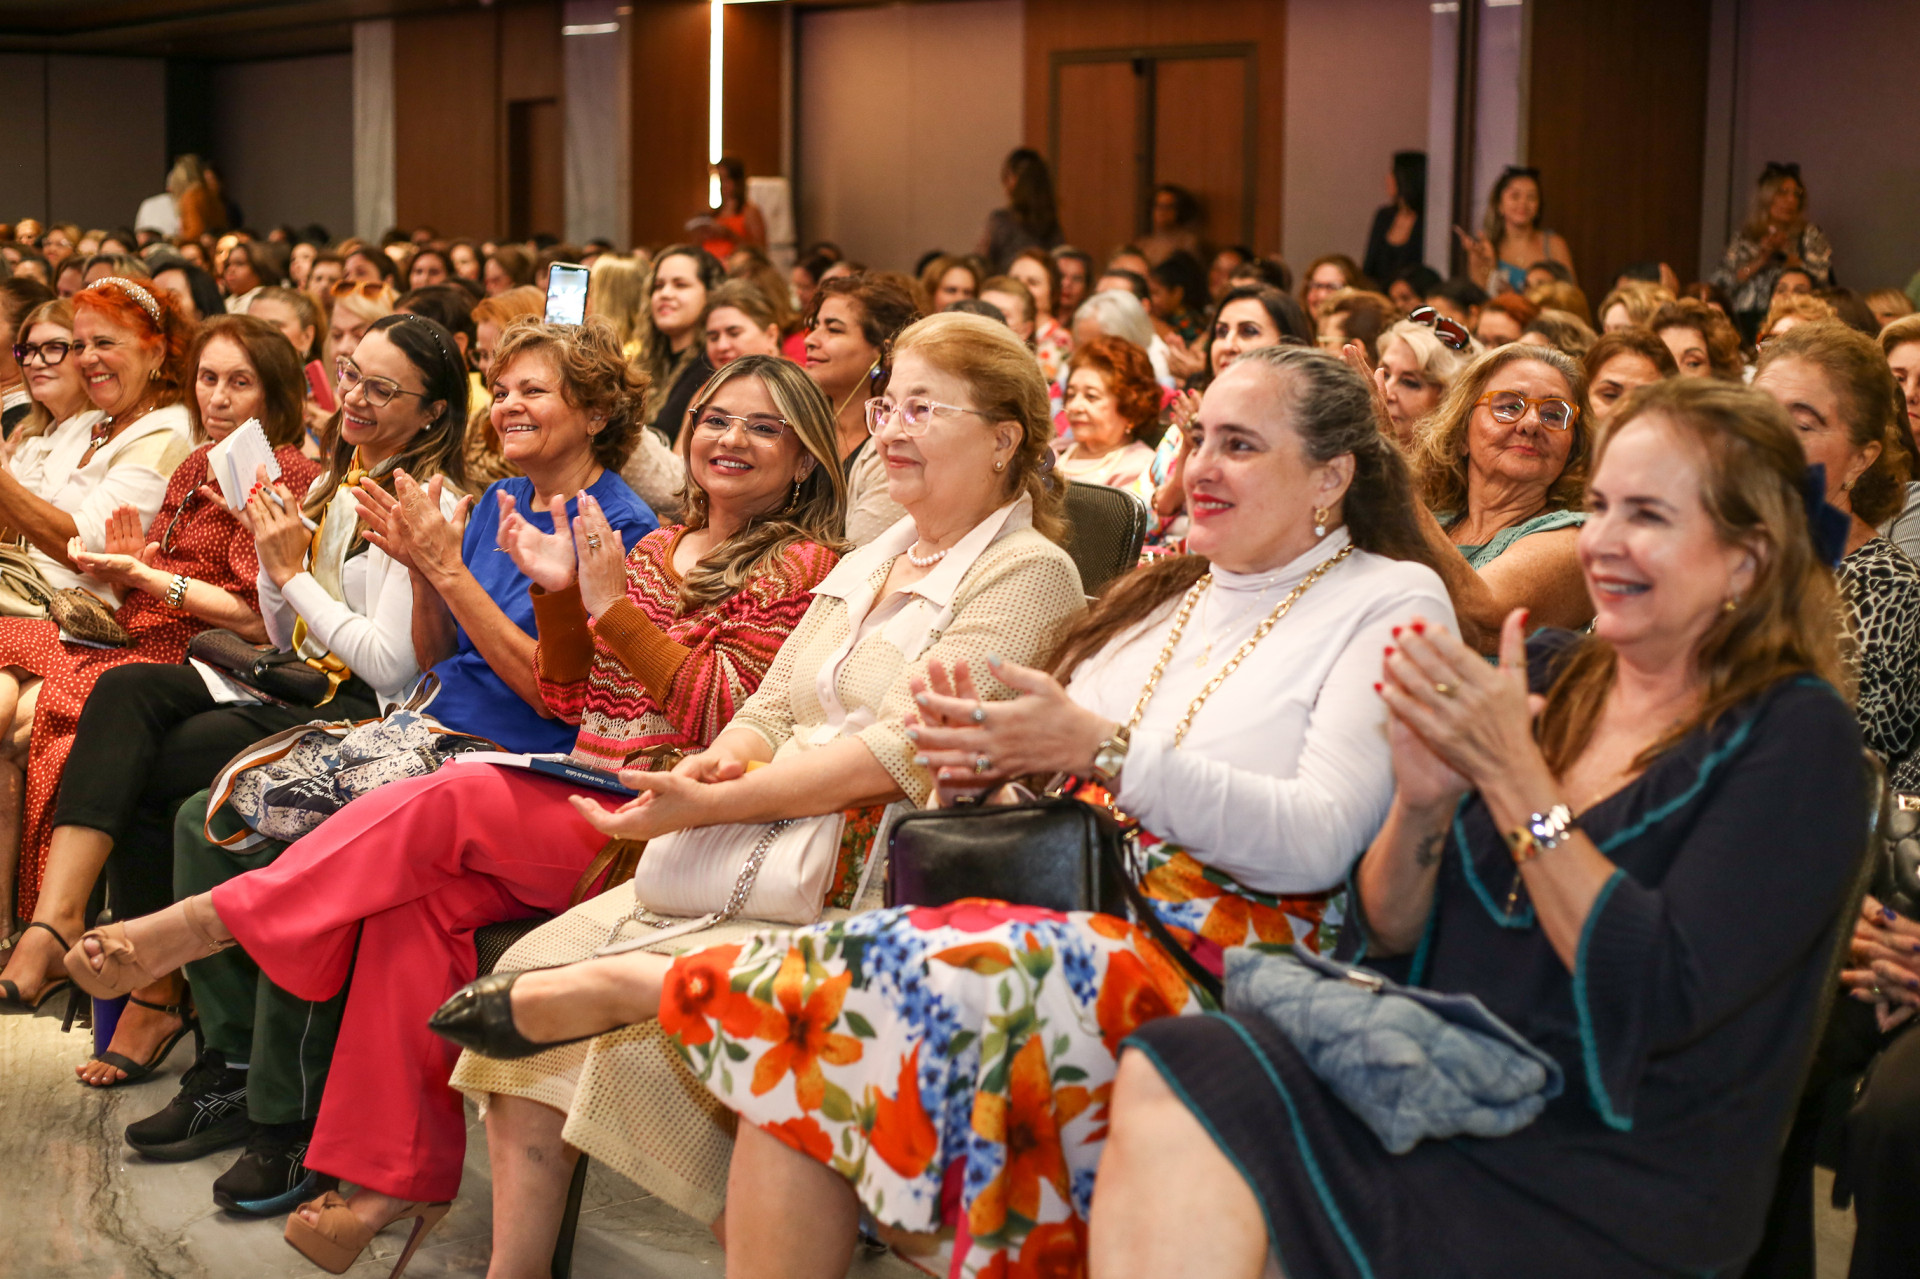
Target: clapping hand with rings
{"x":603,"y":558}
{"x":1885,"y":963}
{"x":973,"y":745}
{"x":1475,"y":720}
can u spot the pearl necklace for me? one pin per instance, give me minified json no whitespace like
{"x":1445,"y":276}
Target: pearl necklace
{"x":929,"y":561}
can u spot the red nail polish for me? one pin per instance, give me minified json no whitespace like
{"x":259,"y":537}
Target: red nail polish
{"x":1376,"y":688}
{"x":1389,"y":650}
{"x":1419,"y":628}
{"x":1396,"y":632}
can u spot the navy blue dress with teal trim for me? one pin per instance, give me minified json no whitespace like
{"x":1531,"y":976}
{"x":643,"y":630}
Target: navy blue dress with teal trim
{"x":1683,"y":1029}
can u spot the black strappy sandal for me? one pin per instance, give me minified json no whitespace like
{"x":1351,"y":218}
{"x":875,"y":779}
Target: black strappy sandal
{"x":134,"y":1071}
{"x":10,"y":1000}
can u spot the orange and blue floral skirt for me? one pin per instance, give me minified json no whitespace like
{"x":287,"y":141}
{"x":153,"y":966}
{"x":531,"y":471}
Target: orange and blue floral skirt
{"x":954,"y":1064}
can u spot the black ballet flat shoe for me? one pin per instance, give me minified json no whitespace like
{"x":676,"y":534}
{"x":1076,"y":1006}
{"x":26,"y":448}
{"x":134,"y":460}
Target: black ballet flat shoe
{"x":479,"y":1017}
{"x":10,"y":1000}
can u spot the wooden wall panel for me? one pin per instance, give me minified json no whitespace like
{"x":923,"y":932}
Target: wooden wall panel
{"x":1616,"y":123}
{"x":1064,"y":25}
{"x":1199,"y":125}
{"x":530,"y":51}
{"x":447,"y":122}
{"x":754,"y":103}
{"x":1097,"y":154}
{"x":668,"y":43}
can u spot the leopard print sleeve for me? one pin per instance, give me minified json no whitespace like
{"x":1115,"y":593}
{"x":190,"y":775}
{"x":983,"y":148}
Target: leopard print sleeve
{"x":1882,"y":590}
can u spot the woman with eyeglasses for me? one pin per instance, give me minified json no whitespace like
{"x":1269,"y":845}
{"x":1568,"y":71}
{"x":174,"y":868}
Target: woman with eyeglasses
{"x":18,"y":296}
{"x":1211,"y":696}
{"x":650,"y":654}
{"x":566,"y":404}
{"x":127,"y":348}
{"x":152,"y":735}
{"x":190,"y":569}
{"x":1511,"y":238}
{"x":1502,"y":466}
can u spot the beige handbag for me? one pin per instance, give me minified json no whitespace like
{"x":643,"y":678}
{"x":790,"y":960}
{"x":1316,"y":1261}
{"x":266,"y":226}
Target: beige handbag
{"x":778,"y":873}
{"x":24,"y":590}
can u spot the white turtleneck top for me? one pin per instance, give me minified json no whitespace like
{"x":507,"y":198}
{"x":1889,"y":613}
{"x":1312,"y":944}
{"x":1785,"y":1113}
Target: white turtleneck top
{"x":1285,"y":775}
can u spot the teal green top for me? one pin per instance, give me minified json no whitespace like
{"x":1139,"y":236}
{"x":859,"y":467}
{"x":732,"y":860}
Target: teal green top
{"x":1478,"y":557}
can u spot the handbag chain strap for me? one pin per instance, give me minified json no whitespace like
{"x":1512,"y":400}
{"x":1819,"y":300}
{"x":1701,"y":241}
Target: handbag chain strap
{"x":1185,"y":613}
{"x":736,"y":901}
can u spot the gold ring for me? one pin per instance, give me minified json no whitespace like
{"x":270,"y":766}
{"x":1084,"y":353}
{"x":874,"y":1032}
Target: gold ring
{"x":1444,"y":689}
{"x":982,"y":765}
{"x":593,"y":541}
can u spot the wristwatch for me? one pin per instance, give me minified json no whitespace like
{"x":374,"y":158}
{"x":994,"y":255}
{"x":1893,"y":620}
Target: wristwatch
{"x":177,"y":590}
{"x":1110,"y":756}
{"x":1543,"y":833}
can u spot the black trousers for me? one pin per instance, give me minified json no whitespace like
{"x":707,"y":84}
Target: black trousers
{"x":1860,"y":1116}
{"x":149,"y":737}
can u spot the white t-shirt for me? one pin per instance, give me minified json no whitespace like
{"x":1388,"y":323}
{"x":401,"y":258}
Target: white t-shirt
{"x":1285,"y":776}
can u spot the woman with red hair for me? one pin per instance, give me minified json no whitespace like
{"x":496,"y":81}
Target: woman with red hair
{"x":189,"y":568}
{"x":1112,"y":400}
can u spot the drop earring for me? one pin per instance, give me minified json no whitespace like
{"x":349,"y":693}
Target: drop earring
{"x":795,"y":499}
{"x":1320,"y":514}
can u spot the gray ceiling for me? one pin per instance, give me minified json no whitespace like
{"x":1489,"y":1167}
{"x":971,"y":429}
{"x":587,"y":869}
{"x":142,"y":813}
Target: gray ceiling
{"x":197,"y":28}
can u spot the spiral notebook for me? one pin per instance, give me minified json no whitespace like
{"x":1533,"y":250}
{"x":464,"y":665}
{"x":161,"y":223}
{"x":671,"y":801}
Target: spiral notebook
{"x":235,"y":462}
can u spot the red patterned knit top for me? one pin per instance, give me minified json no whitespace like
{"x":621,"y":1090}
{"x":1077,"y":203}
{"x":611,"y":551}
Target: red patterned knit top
{"x":643,"y":677}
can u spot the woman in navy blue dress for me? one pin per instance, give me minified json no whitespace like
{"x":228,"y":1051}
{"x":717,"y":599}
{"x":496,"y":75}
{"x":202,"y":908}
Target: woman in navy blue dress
{"x":1643,"y":872}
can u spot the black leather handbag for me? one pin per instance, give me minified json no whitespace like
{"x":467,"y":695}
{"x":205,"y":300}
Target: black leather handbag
{"x":275,"y":675}
{"x":1056,"y":853}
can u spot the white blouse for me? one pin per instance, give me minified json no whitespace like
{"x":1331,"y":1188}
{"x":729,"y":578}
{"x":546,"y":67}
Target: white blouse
{"x":132,"y":469}
{"x":1285,"y":775}
{"x":371,"y":630}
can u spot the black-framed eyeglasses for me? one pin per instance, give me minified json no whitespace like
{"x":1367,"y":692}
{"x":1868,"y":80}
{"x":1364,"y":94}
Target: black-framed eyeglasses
{"x":379,"y":391}
{"x":762,"y":429}
{"x":1450,"y":332}
{"x":50,"y":353}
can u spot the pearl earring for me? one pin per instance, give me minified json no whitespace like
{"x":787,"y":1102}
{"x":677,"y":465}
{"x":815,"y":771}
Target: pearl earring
{"x":1320,"y":515}
{"x":999,"y":466}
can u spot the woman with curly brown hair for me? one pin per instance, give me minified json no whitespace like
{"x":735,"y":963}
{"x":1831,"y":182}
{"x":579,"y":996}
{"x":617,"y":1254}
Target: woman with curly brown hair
{"x":1112,"y":400}
{"x":1703,"y":341}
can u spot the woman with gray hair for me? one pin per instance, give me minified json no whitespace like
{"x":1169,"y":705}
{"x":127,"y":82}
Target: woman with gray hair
{"x":1119,"y":314}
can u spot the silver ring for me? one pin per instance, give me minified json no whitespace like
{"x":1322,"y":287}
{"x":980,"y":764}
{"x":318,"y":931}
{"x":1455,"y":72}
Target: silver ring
{"x":593,"y":541}
{"x":982,"y":765}
{"x":979,"y":713}
{"x":1877,"y":992}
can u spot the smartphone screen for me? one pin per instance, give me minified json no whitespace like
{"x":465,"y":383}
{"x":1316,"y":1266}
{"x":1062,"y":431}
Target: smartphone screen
{"x":322,"y":389}
{"x":566,"y":294}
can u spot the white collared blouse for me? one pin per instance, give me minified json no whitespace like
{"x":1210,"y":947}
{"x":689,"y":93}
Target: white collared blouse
{"x":1004,"y":590}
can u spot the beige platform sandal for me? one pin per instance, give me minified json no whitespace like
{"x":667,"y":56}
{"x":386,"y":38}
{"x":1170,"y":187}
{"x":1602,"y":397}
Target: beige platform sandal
{"x":336,"y":1241}
{"x":184,"y":931}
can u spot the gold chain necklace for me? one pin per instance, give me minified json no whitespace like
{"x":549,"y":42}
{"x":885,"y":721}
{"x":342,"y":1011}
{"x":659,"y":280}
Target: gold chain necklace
{"x":1180,"y":619}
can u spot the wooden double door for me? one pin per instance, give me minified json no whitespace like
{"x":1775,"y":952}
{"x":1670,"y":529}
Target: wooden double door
{"x":1123,"y":121}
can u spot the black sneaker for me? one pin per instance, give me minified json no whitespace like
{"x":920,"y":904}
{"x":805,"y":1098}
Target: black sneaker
{"x":209,"y":1113}
{"x":272,"y":1176}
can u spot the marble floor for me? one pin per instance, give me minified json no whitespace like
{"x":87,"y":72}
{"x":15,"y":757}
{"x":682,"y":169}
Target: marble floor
{"x":80,"y":1205}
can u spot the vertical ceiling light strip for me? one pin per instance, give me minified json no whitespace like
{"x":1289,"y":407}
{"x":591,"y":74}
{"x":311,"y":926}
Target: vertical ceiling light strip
{"x":716,"y":65}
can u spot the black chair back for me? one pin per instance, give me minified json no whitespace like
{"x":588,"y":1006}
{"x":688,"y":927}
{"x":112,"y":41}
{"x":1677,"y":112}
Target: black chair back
{"x":1106,"y":527}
